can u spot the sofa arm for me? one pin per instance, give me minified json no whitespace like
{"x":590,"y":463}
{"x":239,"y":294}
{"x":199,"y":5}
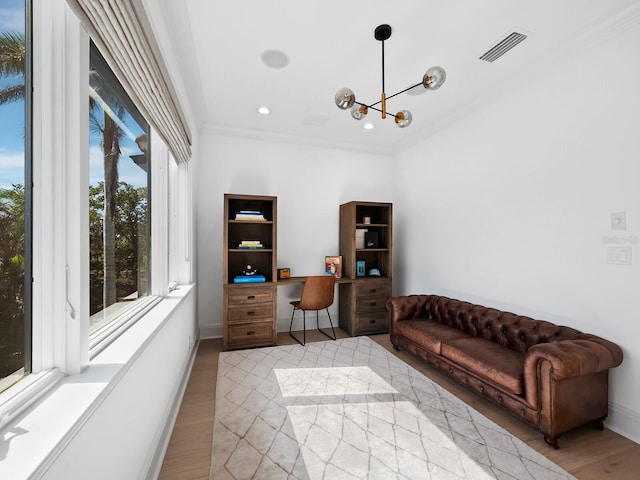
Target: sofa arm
{"x":407,"y":307}
{"x":568,"y":358}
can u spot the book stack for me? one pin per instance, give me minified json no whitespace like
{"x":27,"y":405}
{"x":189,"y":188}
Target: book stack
{"x":249,"y":279}
{"x":360,"y":237}
{"x":250,"y":245}
{"x":250,"y":215}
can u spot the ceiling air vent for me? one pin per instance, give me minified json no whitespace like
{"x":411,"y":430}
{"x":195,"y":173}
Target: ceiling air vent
{"x":503,"y":47}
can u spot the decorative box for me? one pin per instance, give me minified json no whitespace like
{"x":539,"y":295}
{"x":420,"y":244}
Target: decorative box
{"x":284,"y":273}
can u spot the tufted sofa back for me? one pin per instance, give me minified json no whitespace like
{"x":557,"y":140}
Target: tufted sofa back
{"x":516,"y":332}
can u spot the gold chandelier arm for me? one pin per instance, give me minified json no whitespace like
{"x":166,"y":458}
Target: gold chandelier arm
{"x":374,"y":108}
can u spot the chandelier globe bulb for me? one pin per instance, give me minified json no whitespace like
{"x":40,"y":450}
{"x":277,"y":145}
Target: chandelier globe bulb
{"x":345,"y":98}
{"x":434,"y":78}
{"x":358,"y":112}
{"x":404,"y":118}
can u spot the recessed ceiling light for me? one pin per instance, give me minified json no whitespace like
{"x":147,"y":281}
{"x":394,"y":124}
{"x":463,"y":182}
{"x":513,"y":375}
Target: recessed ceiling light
{"x":368,"y":126}
{"x":264,"y":110}
{"x":275,"y":58}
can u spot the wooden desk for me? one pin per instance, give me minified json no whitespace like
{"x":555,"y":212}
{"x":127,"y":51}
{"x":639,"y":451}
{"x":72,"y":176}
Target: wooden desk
{"x":362,"y":303}
{"x":296,"y":280}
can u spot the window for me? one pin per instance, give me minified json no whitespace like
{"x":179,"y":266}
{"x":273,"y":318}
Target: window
{"x":15,"y":193}
{"x":119,"y":200}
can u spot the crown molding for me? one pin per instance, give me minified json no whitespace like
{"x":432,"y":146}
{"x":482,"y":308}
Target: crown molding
{"x":267,"y":136}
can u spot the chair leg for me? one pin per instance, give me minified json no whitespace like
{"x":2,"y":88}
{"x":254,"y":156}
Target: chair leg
{"x":330,"y":323}
{"x":304,"y":328}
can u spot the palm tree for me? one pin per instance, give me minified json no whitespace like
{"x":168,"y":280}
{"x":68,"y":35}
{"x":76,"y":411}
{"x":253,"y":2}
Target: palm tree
{"x":112,"y":134}
{"x":12,"y":63}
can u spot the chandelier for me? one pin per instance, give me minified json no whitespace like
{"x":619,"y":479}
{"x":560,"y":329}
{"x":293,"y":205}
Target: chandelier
{"x":345,"y":98}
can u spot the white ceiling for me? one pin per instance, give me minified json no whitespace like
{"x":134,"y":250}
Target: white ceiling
{"x":330,"y":44}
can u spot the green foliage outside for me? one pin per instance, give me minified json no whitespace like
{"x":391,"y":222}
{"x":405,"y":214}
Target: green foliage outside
{"x":130,"y":241}
{"x":12,"y":222}
{"x":11,"y":279}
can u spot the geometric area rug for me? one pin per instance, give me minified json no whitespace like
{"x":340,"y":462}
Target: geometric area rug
{"x":349,"y":409}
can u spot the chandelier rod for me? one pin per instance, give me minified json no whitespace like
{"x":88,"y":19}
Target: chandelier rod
{"x":391,"y":96}
{"x":382,"y":41}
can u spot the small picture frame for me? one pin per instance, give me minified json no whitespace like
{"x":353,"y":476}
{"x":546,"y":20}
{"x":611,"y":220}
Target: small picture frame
{"x":360,"y":268}
{"x":333,"y":266}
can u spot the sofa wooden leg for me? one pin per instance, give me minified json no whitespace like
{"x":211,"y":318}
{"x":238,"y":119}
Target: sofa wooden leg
{"x":396,"y":348}
{"x":552,"y":441}
{"x":599,"y":425}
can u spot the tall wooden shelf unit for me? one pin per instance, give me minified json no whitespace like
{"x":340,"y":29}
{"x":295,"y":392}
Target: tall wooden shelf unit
{"x":249,"y":308}
{"x":362,"y":302}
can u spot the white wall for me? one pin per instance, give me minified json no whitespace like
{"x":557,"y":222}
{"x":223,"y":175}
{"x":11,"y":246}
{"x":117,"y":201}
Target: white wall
{"x":115,"y":418}
{"x":310,"y":183}
{"x":509,"y":207}
{"x":125,"y":436}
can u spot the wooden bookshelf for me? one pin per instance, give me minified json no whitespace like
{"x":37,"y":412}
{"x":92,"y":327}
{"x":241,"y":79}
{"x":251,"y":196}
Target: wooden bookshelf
{"x":362,"y":301}
{"x":249,"y":316}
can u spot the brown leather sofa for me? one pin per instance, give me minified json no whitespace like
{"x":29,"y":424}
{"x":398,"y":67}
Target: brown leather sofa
{"x":553,"y":377}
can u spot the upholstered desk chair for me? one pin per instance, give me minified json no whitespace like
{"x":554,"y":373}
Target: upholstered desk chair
{"x":317,"y":294}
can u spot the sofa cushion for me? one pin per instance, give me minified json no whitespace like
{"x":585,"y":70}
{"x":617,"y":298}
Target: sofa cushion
{"x":428,"y":334}
{"x":499,"y":364}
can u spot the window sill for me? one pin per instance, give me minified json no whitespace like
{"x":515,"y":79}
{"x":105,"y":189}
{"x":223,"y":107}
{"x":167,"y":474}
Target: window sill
{"x":32,"y":442}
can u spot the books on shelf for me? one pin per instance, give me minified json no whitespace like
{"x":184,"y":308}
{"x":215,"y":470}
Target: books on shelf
{"x":333,"y":266}
{"x":360,"y":237}
{"x":250,"y":215}
{"x":249,"y":279}
{"x":250,"y":244}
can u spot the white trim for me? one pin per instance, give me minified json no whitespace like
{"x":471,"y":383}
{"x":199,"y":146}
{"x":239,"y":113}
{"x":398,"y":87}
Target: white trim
{"x":164,"y":437}
{"x":76,"y":398}
{"x":180,"y":223}
{"x":60,"y":139}
{"x":624,"y":421}
{"x":75,"y":161}
{"x":159,"y":212}
{"x":28,"y":391}
{"x":104,"y":337}
{"x":265,"y":136}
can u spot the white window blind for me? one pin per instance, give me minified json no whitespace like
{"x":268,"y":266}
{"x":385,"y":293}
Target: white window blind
{"x":121,"y":31}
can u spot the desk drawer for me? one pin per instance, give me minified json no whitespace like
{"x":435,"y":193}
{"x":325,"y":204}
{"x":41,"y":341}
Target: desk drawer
{"x":372,"y":323}
{"x":371,"y":304}
{"x":371,"y":289}
{"x":250,"y":296}
{"x":251,"y":313}
{"x":250,"y":334}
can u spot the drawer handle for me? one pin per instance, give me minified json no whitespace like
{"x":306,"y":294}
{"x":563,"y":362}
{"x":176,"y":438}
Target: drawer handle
{"x":251,"y":332}
{"x":251,"y":313}
{"x":372,"y":304}
{"x":372,"y":321}
{"x":372,"y":290}
{"x":251,"y":297}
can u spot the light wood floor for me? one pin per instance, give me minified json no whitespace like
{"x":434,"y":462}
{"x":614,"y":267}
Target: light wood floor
{"x":585,"y":452}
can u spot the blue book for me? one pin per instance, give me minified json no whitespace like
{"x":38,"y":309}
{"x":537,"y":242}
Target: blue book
{"x":249,"y":279}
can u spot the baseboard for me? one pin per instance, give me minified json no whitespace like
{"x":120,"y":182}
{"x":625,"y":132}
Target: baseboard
{"x":210,"y":331}
{"x":165,"y":436}
{"x":624,"y":421}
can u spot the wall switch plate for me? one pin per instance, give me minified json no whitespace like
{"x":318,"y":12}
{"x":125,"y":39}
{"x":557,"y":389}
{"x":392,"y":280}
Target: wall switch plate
{"x":619,"y":221}
{"x":619,"y":255}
